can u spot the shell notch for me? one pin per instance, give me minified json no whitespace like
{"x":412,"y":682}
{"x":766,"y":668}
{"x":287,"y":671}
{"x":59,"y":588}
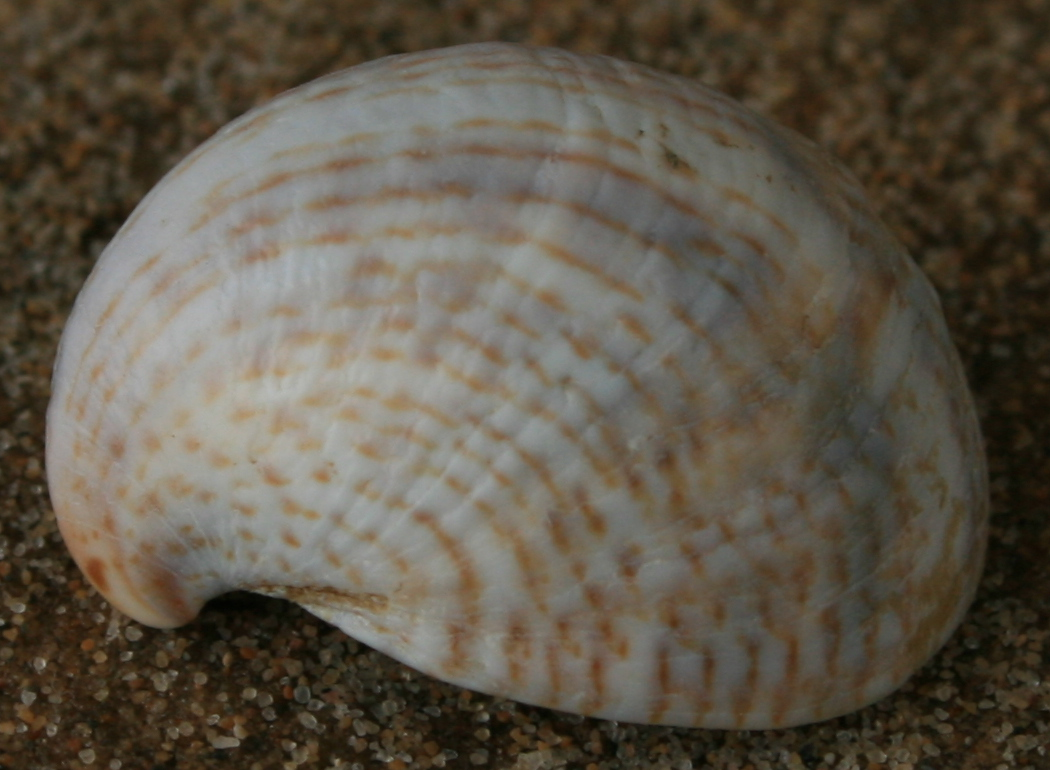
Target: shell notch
{"x":550,"y":375}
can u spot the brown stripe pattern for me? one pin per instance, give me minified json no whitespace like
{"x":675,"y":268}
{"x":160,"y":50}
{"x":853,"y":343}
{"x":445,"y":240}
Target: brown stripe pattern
{"x":553,"y":376}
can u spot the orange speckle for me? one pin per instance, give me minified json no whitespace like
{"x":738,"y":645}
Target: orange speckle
{"x":182,"y":418}
{"x":219,"y":460}
{"x":291,"y":539}
{"x":291,"y":508}
{"x":593,"y":595}
{"x":242,"y":414}
{"x":553,"y":671}
{"x":636,"y":328}
{"x":151,"y":442}
{"x":273,"y":477}
{"x":179,"y":486}
{"x":583,"y":349}
{"x":95,"y":569}
{"x":242,"y":508}
{"x":283,"y":421}
{"x":630,"y":559}
{"x":515,"y":322}
{"x":150,"y":505}
{"x":364,"y":488}
{"x":387,"y":354}
{"x":598,"y":676}
{"x":117,"y":447}
{"x":262,"y":254}
{"x":556,"y":524}
{"x":286,"y":311}
{"x":195,"y":351}
{"x":457,"y":485}
{"x":348,"y":413}
{"x":369,"y":450}
{"x":324,"y":398}
{"x":213,"y":388}
{"x":552,"y":299}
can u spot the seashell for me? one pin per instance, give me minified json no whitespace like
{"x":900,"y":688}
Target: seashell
{"x":552,"y":376}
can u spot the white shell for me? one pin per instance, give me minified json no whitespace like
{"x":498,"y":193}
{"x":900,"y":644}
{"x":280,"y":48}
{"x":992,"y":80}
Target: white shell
{"x":550,"y":375}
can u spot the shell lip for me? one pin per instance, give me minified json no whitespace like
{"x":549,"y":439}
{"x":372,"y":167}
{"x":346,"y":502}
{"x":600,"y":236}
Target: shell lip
{"x":147,"y":591}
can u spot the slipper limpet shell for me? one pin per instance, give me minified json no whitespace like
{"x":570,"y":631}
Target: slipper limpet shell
{"x":552,"y":376}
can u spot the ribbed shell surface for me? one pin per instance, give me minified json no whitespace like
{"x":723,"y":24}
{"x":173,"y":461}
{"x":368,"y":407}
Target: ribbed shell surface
{"x":553,"y":376}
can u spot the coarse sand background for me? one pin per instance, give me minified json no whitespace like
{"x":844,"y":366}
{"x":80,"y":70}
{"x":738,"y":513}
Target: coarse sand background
{"x":941,"y":108}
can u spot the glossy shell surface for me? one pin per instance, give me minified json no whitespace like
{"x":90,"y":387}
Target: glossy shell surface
{"x":552,"y":376}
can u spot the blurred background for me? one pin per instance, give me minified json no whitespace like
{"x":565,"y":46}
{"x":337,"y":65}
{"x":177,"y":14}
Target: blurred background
{"x":941,"y":109}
